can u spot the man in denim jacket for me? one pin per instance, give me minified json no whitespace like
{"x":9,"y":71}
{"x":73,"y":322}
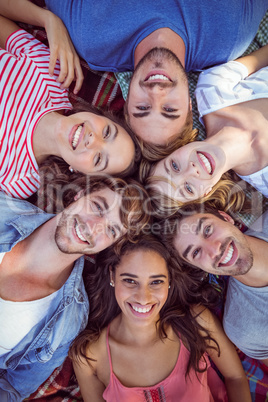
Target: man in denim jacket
{"x":41,"y":265}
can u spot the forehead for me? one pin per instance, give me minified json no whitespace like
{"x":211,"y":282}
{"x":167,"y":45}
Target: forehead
{"x":108,"y":199}
{"x":143,"y":262}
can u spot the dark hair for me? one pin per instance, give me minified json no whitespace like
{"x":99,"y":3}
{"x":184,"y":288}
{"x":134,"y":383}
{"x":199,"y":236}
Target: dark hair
{"x":134,"y":163}
{"x":176,"y":311}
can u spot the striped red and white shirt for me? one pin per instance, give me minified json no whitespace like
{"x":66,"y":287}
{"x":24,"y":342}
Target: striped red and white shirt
{"x":27,"y":93}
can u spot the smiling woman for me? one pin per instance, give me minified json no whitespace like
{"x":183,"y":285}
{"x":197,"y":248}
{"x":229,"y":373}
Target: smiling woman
{"x":33,"y":108}
{"x":145,"y":339}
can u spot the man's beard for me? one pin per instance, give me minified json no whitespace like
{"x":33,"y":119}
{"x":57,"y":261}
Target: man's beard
{"x":159,"y":55}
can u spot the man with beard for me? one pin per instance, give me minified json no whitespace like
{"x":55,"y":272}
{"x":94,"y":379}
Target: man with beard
{"x":43,"y":302}
{"x":209,"y":240}
{"x":159,"y":40}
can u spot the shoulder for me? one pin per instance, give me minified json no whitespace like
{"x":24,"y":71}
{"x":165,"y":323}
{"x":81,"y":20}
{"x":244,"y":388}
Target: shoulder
{"x":205,"y":317}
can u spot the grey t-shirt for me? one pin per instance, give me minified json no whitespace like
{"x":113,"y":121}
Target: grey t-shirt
{"x":245,"y":319}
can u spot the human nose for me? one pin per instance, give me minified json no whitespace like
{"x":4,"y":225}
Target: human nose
{"x":143,"y":295}
{"x":193,"y":169}
{"x":213,"y":248}
{"x":91,"y":140}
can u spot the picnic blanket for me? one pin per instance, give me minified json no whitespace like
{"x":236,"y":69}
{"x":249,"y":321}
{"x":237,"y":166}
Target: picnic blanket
{"x":107,"y":90}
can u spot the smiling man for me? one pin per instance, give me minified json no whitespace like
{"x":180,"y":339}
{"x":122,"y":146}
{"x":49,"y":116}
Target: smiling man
{"x":210,"y":241}
{"x":43,"y":302}
{"x":158,"y":41}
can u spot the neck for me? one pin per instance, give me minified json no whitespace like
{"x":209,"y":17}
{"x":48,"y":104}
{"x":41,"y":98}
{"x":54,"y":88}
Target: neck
{"x":236,"y":145}
{"x":42,"y":259}
{"x":163,"y":37}
{"x":135,"y":334}
{"x":257,"y":276}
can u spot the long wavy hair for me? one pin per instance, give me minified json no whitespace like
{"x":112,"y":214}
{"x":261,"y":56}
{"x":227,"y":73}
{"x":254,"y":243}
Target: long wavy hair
{"x":133,"y":163}
{"x":183,"y":293}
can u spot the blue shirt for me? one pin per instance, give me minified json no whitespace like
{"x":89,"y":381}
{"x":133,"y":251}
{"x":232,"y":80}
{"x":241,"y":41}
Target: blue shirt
{"x":106,"y":33}
{"x":46,"y":346}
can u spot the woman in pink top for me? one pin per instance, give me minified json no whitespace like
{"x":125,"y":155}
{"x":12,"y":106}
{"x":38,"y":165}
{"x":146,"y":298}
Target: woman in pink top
{"x":144,"y":343}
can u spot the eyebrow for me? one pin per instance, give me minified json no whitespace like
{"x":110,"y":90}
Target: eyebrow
{"x":171,"y":116}
{"x":198,"y":228}
{"x":167,"y":115}
{"x":107,"y":159}
{"x":136,"y":276}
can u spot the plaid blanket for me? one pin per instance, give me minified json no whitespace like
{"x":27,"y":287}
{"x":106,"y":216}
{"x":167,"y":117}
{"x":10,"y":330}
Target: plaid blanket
{"x":105,"y":90}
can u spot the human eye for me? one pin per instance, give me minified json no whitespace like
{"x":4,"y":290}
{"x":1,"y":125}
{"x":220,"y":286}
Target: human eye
{"x":143,"y":107}
{"x":207,"y":231}
{"x":157,"y":282}
{"x":129,"y":281}
{"x":188,"y":188}
{"x":174,"y":166}
{"x":195,"y":253}
{"x":98,"y":208}
{"x":169,"y":109}
{"x":97,"y":159}
{"x":112,"y":231}
{"x":107,"y":132}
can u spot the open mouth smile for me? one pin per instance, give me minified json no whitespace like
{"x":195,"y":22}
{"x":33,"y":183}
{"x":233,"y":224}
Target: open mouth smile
{"x":141,"y":311}
{"x":76,"y":136}
{"x":79,"y":234}
{"x":206,"y":162}
{"x":229,"y":256}
{"x":157,"y":77}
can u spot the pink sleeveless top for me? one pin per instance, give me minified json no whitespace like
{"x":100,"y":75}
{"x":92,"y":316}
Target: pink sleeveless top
{"x":174,"y":388}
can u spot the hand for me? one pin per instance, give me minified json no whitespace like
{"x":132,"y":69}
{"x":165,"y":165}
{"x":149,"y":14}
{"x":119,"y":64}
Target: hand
{"x":61,"y":48}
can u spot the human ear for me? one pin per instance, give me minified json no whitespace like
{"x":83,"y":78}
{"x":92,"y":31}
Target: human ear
{"x":78,"y":195}
{"x":111,"y":274}
{"x":226,"y":217}
{"x":208,"y":191}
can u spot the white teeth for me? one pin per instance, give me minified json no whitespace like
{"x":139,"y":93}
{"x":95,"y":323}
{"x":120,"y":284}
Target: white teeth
{"x":142,"y":310}
{"x":76,"y":136}
{"x":158,"y":77}
{"x":79,"y":234}
{"x":228,"y":255}
{"x":206,"y":162}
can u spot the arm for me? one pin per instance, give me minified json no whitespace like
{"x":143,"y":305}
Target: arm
{"x":60,"y":44}
{"x":7,"y":28}
{"x":228,"y":362}
{"x":255,"y":60}
{"x":90,"y":386}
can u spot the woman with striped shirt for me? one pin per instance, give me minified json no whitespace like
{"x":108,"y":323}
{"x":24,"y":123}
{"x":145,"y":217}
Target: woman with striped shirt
{"x":34,"y":123}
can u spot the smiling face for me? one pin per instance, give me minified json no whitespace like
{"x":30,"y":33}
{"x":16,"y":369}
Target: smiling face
{"x":141,"y":285}
{"x":158,"y":101}
{"x":190,"y":172}
{"x":214,"y":245}
{"x":90,"y":143}
{"x":90,"y":224}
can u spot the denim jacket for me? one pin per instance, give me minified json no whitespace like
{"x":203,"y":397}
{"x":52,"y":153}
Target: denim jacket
{"x":46,"y":346}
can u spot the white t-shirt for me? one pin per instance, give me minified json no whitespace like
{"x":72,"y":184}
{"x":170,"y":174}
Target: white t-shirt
{"x":27,"y":92}
{"x":227,"y":85}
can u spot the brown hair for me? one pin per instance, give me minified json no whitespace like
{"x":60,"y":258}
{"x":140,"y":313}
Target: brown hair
{"x":176,"y":312}
{"x":59,"y":187}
